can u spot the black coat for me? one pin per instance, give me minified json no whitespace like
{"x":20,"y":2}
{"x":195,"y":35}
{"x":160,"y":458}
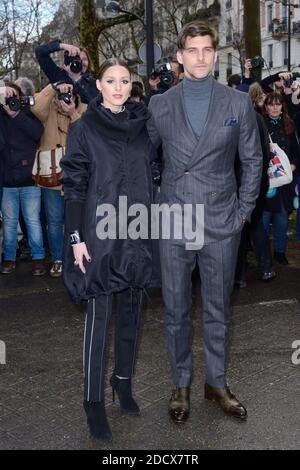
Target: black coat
{"x":289,"y":145}
{"x":21,"y":135}
{"x":107,"y":156}
{"x":264,"y":186}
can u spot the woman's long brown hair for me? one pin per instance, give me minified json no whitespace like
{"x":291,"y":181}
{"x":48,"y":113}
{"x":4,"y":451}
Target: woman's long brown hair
{"x":277,"y":98}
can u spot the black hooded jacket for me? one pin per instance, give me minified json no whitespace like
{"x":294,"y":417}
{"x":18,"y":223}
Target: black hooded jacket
{"x":108,"y":155}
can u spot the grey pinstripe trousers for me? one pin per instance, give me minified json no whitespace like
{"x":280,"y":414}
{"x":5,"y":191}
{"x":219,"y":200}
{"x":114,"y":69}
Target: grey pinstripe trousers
{"x":216,"y":263}
{"x":127,"y":326}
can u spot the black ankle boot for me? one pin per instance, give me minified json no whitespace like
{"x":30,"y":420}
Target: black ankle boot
{"x":123,"y":389}
{"x":97,"y":421}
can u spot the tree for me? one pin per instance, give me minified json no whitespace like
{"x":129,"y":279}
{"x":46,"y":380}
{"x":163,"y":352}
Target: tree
{"x":20,"y":26}
{"x":252,"y":30}
{"x":91,"y":27}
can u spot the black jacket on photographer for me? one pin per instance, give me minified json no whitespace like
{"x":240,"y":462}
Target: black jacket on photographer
{"x":22,"y":135}
{"x":162,"y":88}
{"x":85,"y":87}
{"x":2,"y":147}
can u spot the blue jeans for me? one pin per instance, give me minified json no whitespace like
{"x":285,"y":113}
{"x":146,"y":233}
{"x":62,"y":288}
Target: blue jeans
{"x":54,"y":210}
{"x":280,"y":223}
{"x":29,"y":198}
{"x":298,"y":211}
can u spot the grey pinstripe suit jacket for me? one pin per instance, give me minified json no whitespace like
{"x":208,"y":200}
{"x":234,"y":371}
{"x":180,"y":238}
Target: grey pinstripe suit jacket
{"x":202,"y":170}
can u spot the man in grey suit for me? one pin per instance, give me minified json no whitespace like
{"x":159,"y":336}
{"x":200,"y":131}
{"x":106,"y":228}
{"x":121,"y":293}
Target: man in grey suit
{"x":201,"y":125}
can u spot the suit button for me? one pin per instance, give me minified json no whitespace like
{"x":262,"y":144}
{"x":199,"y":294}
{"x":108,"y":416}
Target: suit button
{"x":186,"y":172}
{"x":213,"y":194}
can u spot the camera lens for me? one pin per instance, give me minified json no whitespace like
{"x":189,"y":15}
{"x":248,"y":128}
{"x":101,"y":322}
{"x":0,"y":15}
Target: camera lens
{"x":14,"y":103}
{"x":167,"y":78}
{"x":76,"y":66}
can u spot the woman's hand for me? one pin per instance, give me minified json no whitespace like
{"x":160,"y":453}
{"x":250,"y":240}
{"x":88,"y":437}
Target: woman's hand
{"x":80,"y":251}
{"x":72,"y":50}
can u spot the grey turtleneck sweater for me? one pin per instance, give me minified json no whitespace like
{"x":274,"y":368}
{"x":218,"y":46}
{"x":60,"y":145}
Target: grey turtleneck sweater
{"x":197,"y":94}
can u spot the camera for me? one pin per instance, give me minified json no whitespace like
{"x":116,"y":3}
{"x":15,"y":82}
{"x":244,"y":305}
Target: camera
{"x":74,"y":62}
{"x":164,"y":72}
{"x":288,"y":83}
{"x":15,"y":104}
{"x":66,"y":97}
{"x":257,"y":62}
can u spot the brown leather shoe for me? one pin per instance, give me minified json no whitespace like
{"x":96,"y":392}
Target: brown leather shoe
{"x":227,"y":401}
{"x":39,"y":268}
{"x":179,"y":405}
{"x":8,"y":267}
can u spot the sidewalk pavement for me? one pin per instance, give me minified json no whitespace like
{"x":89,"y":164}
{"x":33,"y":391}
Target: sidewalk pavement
{"x":41,"y":382}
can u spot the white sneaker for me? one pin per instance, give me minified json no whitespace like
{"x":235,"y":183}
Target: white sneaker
{"x":56,"y":270}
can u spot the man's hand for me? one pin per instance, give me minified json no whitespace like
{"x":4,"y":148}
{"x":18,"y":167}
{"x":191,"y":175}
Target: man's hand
{"x":7,"y":91}
{"x":154,"y":83}
{"x":64,"y":88}
{"x":8,"y":111}
{"x":68,"y":109}
{"x":248,"y":67}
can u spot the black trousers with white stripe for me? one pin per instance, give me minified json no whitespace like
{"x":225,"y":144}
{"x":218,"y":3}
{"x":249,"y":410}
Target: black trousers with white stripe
{"x":127,"y":326}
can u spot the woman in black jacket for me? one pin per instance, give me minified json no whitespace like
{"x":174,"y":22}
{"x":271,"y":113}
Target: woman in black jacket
{"x":281,"y":130}
{"x":105,"y":172}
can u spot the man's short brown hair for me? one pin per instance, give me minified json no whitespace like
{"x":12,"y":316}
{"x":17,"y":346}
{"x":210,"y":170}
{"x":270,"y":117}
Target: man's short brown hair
{"x":194,"y":29}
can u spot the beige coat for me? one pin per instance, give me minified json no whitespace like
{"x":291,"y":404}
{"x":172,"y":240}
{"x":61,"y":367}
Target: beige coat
{"x":56,"y":123}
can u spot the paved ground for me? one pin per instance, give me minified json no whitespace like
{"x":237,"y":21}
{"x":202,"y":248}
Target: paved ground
{"x":41,"y":383}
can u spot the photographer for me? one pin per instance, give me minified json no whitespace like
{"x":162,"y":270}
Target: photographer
{"x":242,"y":83}
{"x":276,"y":82}
{"x":163,"y":79}
{"x":77,"y":69}
{"x":21,"y":131}
{"x":57,"y":106}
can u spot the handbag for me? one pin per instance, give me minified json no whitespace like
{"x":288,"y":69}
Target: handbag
{"x":46,"y":169}
{"x":279,"y":171}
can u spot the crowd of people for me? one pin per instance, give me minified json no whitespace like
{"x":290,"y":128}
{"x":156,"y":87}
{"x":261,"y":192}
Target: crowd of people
{"x":86,"y":141}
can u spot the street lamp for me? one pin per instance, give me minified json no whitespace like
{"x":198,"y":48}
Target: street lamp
{"x":115,"y":8}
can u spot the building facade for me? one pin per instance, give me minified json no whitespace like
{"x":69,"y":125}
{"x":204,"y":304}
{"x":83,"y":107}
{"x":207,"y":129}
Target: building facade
{"x":169,"y":16}
{"x":274,"y":36}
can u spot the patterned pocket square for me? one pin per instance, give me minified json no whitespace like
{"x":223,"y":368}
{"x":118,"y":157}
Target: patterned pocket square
{"x":230,"y":122}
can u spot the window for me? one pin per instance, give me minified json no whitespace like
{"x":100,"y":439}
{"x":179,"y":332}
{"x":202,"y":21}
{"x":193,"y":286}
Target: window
{"x":228,"y":4}
{"x":229,"y":64}
{"x":285,"y":52}
{"x":229,"y":32}
{"x":270,"y":18}
{"x":285,"y":12}
{"x":270,"y":55}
